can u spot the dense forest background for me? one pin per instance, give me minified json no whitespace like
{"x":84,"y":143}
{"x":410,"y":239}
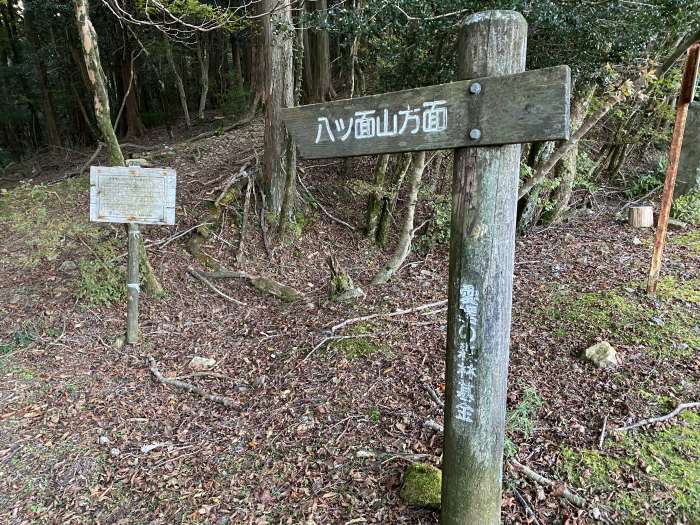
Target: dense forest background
{"x":177,"y":64}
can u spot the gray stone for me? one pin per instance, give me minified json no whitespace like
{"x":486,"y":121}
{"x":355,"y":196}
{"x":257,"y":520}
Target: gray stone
{"x":202,"y":363}
{"x":68,"y":266}
{"x":637,"y":241}
{"x":104,"y":440}
{"x":119,"y":342}
{"x":679,"y":225}
{"x":603,"y":355}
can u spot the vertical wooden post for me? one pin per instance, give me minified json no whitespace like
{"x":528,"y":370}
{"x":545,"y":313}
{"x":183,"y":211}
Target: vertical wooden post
{"x":484,"y":199}
{"x":132,"y":312}
{"x":684,"y":99}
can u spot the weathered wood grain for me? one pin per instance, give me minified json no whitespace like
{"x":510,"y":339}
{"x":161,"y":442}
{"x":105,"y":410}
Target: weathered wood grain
{"x":524,"y":107}
{"x":482,"y":248}
{"x":132,"y":195}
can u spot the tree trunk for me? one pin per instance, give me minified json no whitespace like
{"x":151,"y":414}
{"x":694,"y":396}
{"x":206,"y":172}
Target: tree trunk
{"x":566,"y":169}
{"x":280,"y":94}
{"x":203,"y":58}
{"x":374,"y":202}
{"x":134,"y":124}
{"x":406,"y":238}
{"x":182,"y":94}
{"x":391,"y":198}
{"x":96,"y":76}
{"x":321,"y":61}
{"x":53,"y":135}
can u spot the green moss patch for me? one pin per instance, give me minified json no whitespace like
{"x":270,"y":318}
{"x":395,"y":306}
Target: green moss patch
{"x":47,"y":218}
{"x":102,"y":279}
{"x":422,"y":486}
{"x":654,"y":474}
{"x":626,"y":318}
{"x":690,"y":240}
{"x":360,"y":346}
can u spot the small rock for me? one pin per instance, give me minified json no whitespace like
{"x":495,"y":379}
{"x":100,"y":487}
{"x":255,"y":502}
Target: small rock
{"x":119,"y":342}
{"x":68,"y":266}
{"x":104,"y":440}
{"x":202,"y":363}
{"x":115,"y":452}
{"x":569,"y":238}
{"x":422,"y":485}
{"x":637,"y":241}
{"x":603,"y":355}
{"x":350,"y":295}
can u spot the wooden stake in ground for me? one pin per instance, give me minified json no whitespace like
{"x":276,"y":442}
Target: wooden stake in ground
{"x":674,"y":153}
{"x":132,"y":312}
{"x":484,"y":199}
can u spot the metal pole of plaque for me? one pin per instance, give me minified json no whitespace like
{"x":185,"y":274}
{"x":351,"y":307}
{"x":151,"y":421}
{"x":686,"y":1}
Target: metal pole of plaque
{"x":133,"y":286}
{"x":135,"y":196}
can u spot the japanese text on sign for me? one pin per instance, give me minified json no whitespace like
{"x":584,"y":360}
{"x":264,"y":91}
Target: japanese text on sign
{"x":466,"y":372}
{"x":431,"y":117}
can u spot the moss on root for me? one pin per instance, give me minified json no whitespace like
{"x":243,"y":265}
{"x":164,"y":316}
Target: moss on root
{"x":422,"y":486}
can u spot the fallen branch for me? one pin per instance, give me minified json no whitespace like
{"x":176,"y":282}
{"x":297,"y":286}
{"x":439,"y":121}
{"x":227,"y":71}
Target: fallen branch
{"x":165,"y":242}
{"x":433,"y":425}
{"x":645,"y":422}
{"x":392,"y":314}
{"x":263,"y":284}
{"x":387,"y":456}
{"x":202,"y":278}
{"x":238,"y":176}
{"x":529,"y":512}
{"x":560,"y":489}
{"x":602,"y":432}
{"x":153,"y":367}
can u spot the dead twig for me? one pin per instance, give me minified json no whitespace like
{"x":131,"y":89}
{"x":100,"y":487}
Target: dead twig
{"x":602,"y":432}
{"x":526,"y":505}
{"x":388,"y":456}
{"x":240,"y":256}
{"x":392,"y":314}
{"x":315,"y":200}
{"x":434,"y":395}
{"x":206,"y":281}
{"x":153,"y":367}
{"x":559,"y":488}
{"x":238,"y":176}
{"x":645,"y":422}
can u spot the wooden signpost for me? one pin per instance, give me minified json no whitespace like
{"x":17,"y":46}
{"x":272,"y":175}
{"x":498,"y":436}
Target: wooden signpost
{"x":132,"y":195}
{"x":496,"y":105}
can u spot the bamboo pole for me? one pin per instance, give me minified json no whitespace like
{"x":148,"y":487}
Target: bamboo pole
{"x":684,"y":99}
{"x":482,"y":251}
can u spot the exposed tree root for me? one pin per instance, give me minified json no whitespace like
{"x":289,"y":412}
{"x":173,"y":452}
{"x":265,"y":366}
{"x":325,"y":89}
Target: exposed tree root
{"x":559,"y":488}
{"x":187,"y":387}
{"x":263,"y":284}
{"x":392,"y":314}
{"x":202,"y":278}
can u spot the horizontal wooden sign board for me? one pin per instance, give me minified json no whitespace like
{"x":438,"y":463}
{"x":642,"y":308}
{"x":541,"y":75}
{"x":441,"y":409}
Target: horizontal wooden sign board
{"x":526,"y":107}
{"x":132,"y":195}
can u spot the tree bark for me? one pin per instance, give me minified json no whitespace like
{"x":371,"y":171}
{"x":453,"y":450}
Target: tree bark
{"x":321,"y":61}
{"x":96,"y":76}
{"x":406,"y":238}
{"x":391,"y":198}
{"x":374,"y":202}
{"x":566,"y":169}
{"x":182,"y":94}
{"x":280,"y":94}
{"x":203,"y":58}
{"x":134,"y":124}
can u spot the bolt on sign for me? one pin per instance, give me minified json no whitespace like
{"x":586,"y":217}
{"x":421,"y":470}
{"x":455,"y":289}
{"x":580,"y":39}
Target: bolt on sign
{"x":132,"y":195}
{"x":525,"y":107}
{"x":495,"y":104}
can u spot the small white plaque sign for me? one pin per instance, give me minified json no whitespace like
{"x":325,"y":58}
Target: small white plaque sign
{"x":132,"y":194}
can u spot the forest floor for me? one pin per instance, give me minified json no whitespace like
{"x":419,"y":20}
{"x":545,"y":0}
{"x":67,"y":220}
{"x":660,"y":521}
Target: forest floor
{"x":88,"y":436}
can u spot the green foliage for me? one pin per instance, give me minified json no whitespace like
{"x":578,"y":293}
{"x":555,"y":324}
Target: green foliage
{"x":686,"y":208}
{"x":520,"y":420}
{"x":438,"y":230}
{"x":665,"y":466}
{"x":237,"y":100}
{"x":584,"y":165}
{"x":101,"y":283}
{"x":19,"y":338}
{"x":647,"y":181}
{"x":689,"y":240}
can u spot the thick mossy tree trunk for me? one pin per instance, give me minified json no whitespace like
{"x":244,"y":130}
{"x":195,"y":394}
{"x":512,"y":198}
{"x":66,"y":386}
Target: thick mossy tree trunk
{"x":406,"y":238}
{"x":203,"y":57}
{"x":278,"y":38}
{"x":91,"y":54}
{"x":115,"y":157}
{"x":567,"y":167}
{"x":182,"y":94}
